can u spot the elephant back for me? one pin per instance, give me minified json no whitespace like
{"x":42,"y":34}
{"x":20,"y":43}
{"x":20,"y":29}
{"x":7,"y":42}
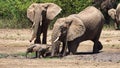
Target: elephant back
{"x":91,"y":15}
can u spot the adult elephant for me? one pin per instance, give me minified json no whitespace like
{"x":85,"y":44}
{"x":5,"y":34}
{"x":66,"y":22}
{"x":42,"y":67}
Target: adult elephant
{"x":72,"y":30}
{"x":104,"y":6}
{"x":115,"y":15}
{"x":41,"y":14}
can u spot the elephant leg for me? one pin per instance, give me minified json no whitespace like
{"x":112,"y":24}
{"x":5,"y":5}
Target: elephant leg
{"x":107,"y":18}
{"x":44,"y":30}
{"x":72,"y":48}
{"x":44,"y":39}
{"x":117,"y":26}
{"x":36,"y":54}
{"x":38,"y":40}
{"x":39,"y":55}
{"x":97,"y":46}
{"x":63,"y":48}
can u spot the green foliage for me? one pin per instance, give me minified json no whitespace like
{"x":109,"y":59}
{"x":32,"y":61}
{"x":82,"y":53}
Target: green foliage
{"x":13,"y":13}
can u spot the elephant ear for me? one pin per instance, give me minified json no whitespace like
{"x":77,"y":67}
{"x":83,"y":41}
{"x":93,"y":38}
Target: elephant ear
{"x":53,"y":10}
{"x":30,"y":11}
{"x":76,"y":29}
{"x":112,"y":13}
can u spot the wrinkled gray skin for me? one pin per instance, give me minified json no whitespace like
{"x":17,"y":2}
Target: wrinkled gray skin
{"x":104,"y":6}
{"x":72,"y":30}
{"x":41,"y":15}
{"x":115,"y":15}
{"x":41,"y":50}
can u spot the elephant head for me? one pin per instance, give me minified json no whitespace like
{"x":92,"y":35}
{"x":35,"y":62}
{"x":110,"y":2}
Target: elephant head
{"x":104,"y":6}
{"x":108,"y":4}
{"x":115,"y":15}
{"x":112,"y":13}
{"x":66,"y":29}
{"x":37,"y":11}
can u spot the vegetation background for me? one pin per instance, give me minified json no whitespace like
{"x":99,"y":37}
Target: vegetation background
{"x":13,"y":12}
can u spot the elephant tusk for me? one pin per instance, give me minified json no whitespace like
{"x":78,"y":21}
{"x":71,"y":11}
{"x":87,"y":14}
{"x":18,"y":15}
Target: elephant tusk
{"x":33,"y":26}
{"x":40,"y":23}
{"x":56,"y":39}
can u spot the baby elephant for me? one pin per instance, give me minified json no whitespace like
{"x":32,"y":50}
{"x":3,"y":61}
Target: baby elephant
{"x":41,"y":50}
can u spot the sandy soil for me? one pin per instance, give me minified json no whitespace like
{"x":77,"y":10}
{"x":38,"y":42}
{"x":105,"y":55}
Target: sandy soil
{"x":14,"y":41}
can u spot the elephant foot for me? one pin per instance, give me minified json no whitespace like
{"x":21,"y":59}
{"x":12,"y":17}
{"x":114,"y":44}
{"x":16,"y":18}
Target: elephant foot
{"x":34,"y":57}
{"x":95,"y":51}
{"x":97,"y":47}
{"x":62,"y":54}
{"x":37,"y":41}
{"x":70,"y":53}
{"x":117,"y":29}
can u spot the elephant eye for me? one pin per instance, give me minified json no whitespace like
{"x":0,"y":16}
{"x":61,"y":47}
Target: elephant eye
{"x":63,"y":29}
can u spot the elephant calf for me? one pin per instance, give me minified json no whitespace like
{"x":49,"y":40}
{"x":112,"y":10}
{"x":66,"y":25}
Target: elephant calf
{"x":40,"y":49}
{"x":115,"y":15}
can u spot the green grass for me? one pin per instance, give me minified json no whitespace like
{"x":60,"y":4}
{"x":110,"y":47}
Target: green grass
{"x":24,"y":54}
{"x":109,"y":27}
{"x":3,"y":55}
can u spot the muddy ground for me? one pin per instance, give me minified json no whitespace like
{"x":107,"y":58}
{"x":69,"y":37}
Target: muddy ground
{"x":13,"y":43}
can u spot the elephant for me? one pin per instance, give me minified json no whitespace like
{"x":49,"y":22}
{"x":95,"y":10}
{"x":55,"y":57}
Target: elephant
{"x":71,"y":30}
{"x":104,"y":6}
{"x":115,"y":15}
{"x":41,"y":49}
{"x":41,"y":15}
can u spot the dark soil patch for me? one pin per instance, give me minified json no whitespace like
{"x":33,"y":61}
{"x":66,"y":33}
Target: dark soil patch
{"x":99,"y":57}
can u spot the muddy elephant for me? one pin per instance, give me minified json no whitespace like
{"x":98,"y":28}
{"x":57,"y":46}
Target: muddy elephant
{"x":71,"y":30}
{"x":41,"y":49}
{"x":115,"y":15}
{"x":41,"y":14}
{"x":104,"y":6}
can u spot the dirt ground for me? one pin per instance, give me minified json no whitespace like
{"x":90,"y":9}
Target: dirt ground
{"x":14,"y":41}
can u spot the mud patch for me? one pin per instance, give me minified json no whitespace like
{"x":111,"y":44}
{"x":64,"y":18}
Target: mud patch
{"x":100,"y":57}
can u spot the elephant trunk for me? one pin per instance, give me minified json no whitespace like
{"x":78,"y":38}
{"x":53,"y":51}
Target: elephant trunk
{"x":55,"y":48}
{"x":35,"y":30}
{"x":55,"y":41}
{"x":36,"y":22}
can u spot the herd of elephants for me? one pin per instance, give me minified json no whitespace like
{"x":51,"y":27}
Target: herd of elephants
{"x":73,"y":29}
